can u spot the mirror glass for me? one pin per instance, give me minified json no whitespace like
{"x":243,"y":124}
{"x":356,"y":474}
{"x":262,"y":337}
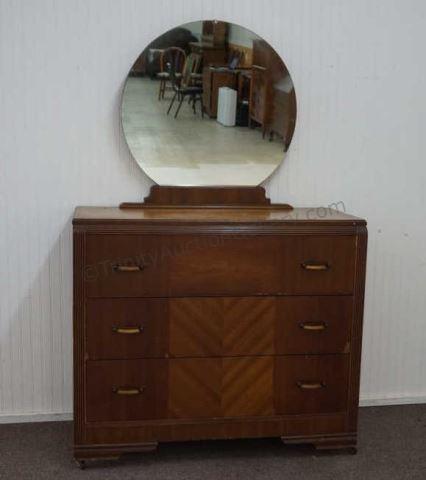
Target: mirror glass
{"x":208,"y":103}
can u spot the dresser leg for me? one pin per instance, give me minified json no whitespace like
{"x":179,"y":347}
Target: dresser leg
{"x":81,"y":464}
{"x":83,"y":454}
{"x":331,"y":446}
{"x":345,"y":443}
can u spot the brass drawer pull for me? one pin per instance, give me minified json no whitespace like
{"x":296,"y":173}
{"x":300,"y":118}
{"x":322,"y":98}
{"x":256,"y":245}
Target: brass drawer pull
{"x":314,"y":266}
{"x":128,"y":268}
{"x":127,"y":330}
{"x":128,"y":390}
{"x":310,"y":385}
{"x":313,"y":326}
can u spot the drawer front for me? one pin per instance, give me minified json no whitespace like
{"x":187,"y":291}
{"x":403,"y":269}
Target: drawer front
{"x":132,"y":390}
{"x":126,"y":328}
{"x":119,"y":390}
{"x":185,"y":265}
{"x":311,"y":383}
{"x":313,"y":324}
{"x":129,"y":328}
{"x":125,"y":266}
{"x":319,"y":265}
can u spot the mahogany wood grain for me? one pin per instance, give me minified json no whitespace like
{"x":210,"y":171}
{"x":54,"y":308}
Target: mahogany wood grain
{"x":337,"y":253}
{"x":126,"y":328}
{"x":357,"y":325}
{"x":183,"y":265}
{"x":110,"y":386}
{"x":79,"y":336}
{"x":163,"y":195}
{"x":120,"y":435}
{"x":307,"y":384}
{"x":190,"y":388}
{"x":320,"y":324}
{"x":253,"y":219}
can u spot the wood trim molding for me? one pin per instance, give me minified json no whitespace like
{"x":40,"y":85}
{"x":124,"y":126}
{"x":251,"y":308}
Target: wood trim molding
{"x":78,"y":332}
{"x":357,"y":325}
{"x":206,"y":197}
{"x":219,"y":229}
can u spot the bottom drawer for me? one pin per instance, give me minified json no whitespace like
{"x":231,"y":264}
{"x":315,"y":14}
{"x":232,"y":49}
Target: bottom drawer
{"x":119,"y":390}
{"x":311,"y":383}
{"x":125,"y":390}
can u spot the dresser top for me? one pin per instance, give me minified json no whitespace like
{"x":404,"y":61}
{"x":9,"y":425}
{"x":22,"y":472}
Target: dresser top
{"x":315,"y":215}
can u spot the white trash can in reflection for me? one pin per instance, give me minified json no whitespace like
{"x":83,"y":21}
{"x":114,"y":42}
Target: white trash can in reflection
{"x":227,"y":106}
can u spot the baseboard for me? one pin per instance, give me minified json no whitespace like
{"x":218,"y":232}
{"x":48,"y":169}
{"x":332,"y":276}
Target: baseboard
{"x":35,"y":417}
{"x":61,"y":417}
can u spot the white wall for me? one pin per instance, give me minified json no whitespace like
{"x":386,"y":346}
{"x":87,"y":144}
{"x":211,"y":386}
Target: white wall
{"x":360,"y":78}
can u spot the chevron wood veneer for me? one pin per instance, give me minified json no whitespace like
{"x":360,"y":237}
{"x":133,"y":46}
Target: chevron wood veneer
{"x":247,"y":386}
{"x":222,"y":326}
{"x":221,"y":387}
{"x":249,"y":326}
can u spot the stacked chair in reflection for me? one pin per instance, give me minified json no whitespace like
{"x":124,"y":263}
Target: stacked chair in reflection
{"x":176,"y":57}
{"x":189,"y":84}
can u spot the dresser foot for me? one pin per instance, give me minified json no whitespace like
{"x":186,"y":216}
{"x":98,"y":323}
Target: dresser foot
{"x":332,"y":446}
{"x":81,"y":464}
{"x":82,"y":454}
{"x":346,"y":443}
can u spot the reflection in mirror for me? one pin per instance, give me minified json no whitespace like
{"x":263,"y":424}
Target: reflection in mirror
{"x":208,"y":103}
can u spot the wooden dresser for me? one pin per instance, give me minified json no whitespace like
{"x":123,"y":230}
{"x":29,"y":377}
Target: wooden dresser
{"x":206,"y":323}
{"x":213,"y":79}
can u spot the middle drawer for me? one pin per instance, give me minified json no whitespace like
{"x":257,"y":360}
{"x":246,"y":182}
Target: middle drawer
{"x":217,"y":326}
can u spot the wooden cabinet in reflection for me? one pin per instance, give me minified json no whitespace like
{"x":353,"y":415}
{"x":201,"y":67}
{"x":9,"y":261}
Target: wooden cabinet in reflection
{"x":283,"y":114}
{"x":211,"y":54}
{"x":272,"y":97}
{"x":214,"y":32}
{"x":260,"y":97}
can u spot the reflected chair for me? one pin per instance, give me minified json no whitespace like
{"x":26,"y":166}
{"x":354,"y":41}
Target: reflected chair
{"x":190,"y":72}
{"x":174,"y":56}
{"x":184,"y":87}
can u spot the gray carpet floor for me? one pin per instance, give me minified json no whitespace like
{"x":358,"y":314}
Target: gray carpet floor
{"x":392,"y":445}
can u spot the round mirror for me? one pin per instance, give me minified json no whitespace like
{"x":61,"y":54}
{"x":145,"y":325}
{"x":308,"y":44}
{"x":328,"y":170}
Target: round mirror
{"x":208,"y":103}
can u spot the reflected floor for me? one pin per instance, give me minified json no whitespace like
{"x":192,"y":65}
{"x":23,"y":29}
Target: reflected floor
{"x":190,"y":150}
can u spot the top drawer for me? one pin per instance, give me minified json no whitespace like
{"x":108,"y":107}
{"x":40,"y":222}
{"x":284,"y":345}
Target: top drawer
{"x":184,"y":265}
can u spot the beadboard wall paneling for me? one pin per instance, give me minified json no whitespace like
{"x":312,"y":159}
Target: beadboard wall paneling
{"x":359,"y":142}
